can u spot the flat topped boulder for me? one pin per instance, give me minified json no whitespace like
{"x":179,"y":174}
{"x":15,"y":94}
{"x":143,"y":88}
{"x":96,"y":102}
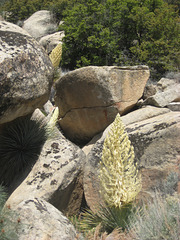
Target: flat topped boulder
{"x":26,"y":73}
{"x":90,"y":97}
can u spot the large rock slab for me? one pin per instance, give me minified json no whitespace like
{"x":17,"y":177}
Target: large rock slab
{"x":165,"y":92}
{"x":40,"y":220}
{"x":132,"y":117}
{"x":162,"y":99}
{"x":55,"y":177}
{"x":89,"y":98}
{"x":40,"y":24}
{"x":156,"y":144}
{"x":26,"y":73}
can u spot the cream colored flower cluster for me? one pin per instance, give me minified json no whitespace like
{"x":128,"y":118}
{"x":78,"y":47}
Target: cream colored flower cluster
{"x":55,"y":55}
{"x":119,"y":176}
{"x":54,"y":118}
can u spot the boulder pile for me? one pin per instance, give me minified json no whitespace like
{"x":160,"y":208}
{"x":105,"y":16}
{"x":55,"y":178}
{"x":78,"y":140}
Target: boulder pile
{"x":65,"y":177}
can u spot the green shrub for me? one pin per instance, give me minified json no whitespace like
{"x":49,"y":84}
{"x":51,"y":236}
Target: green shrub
{"x":159,"y":220}
{"x":122,"y":33}
{"x":170,"y":185}
{"x":9,"y":222}
{"x":22,"y":9}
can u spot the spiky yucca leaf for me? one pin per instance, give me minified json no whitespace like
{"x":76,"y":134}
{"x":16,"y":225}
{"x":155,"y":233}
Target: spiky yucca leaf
{"x":119,"y":176}
{"x":109,"y":218}
{"x":21,"y":142}
{"x":55,"y":55}
{"x":89,"y":221}
{"x":53,"y":120}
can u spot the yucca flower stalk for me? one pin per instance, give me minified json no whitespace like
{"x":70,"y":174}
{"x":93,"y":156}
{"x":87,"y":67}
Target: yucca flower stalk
{"x":55,"y":55}
{"x":50,"y":126}
{"x":120,"y":181}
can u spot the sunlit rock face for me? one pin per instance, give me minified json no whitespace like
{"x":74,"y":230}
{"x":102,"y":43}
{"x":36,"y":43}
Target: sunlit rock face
{"x":26,"y":73}
{"x":89,"y":98}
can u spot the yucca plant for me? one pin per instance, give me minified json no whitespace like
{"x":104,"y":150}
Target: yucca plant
{"x":21,"y":142}
{"x":109,"y":218}
{"x":120,"y":182}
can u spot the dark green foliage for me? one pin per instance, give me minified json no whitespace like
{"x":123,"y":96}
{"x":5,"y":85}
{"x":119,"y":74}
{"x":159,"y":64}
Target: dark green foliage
{"x":175,"y":3}
{"x":22,"y":9}
{"x":158,"y":38}
{"x":2,"y":2}
{"x":112,"y":32}
{"x":19,"y":10}
{"x":20,"y":144}
{"x":122,"y":32}
{"x":57,"y":7}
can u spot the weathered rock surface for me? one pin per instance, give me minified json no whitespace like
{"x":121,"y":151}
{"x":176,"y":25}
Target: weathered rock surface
{"x":49,"y":42}
{"x":132,"y":117}
{"x":89,"y":98}
{"x":156,"y":143}
{"x":165,"y":92}
{"x":40,"y":220}
{"x":150,"y":90}
{"x":143,"y":114}
{"x":1,"y":18}
{"x":162,"y":99}
{"x":174,"y":106}
{"x":56,"y":176}
{"x":26,"y":73}
{"x":40,"y":24}
{"x":165,"y":83}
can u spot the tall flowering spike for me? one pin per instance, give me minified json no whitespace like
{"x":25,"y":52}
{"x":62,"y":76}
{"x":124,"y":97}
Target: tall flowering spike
{"x":119,"y":176}
{"x":54,"y":118}
{"x":55,"y":55}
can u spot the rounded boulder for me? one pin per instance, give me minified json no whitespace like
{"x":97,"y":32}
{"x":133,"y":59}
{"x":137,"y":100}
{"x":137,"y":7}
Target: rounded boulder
{"x":26,"y":73}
